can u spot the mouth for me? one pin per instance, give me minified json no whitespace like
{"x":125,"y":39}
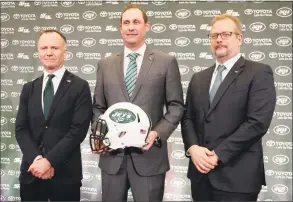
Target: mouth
{"x":131,"y":35}
{"x":219,"y":47}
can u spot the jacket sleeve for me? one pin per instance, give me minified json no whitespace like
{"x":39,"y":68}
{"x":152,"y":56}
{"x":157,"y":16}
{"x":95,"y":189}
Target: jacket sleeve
{"x":23,"y":134}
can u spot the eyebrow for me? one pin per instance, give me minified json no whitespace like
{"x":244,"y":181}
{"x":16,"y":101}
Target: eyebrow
{"x":131,"y":20}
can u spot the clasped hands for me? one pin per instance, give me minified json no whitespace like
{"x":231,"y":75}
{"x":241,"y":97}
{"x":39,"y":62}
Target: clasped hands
{"x":42,"y":169}
{"x":203,"y":159}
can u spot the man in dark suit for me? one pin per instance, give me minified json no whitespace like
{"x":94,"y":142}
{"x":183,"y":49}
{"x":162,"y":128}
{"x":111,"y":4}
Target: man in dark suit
{"x":53,"y":119}
{"x":229,"y":108}
{"x":156,"y":85}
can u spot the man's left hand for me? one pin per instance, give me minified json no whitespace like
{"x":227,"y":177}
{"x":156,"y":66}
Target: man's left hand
{"x":214,"y":157}
{"x":39,"y":167}
{"x":150,"y":140}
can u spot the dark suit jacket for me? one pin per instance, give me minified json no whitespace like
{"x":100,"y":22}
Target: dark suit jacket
{"x":158,"y":85}
{"x":233,"y":125}
{"x":61,"y":134}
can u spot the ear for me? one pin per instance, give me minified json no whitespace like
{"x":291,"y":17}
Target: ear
{"x":240,"y":39}
{"x":147,"y":26}
{"x":65,"y":52}
{"x":121,"y":28}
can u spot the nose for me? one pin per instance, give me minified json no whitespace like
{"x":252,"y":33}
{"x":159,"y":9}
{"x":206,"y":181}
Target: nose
{"x":49,"y":51}
{"x":131,"y":26}
{"x":219,"y":37}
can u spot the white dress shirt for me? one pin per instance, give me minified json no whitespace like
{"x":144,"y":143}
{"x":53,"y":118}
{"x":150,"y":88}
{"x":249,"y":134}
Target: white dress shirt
{"x":228,"y":64}
{"x":56,"y":81}
{"x":139,"y":59}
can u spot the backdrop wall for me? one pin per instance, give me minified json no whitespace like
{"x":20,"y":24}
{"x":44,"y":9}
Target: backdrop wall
{"x":177,"y":27}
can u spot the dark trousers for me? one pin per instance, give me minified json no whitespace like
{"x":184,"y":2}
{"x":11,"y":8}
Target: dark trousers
{"x":143,"y":188}
{"x":204,"y":191}
{"x":53,"y":190}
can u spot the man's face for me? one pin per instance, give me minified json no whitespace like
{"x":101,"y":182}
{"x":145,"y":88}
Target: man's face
{"x":133,"y":28}
{"x":52,"y":50}
{"x":230,"y":45}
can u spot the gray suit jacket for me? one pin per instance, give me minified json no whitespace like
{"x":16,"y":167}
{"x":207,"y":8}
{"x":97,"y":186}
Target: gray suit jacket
{"x":158,"y":85}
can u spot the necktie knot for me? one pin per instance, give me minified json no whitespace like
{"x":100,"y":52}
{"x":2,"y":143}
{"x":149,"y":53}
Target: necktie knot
{"x":51,"y":76}
{"x":133,"y":56}
{"x":221,"y":68}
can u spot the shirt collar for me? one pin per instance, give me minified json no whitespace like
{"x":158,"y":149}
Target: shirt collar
{"x":140,"y":51}
{"x":229,"y":63}
{"x":58,"y":73}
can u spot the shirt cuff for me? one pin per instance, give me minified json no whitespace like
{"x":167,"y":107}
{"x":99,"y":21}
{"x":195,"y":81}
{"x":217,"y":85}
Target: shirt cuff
{"x":38,"y":157}
{"x":187,"y":152}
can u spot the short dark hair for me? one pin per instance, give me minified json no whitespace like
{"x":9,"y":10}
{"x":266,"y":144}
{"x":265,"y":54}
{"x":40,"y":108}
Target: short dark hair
{"x":133,"y":6}
{"x":51,"y":31}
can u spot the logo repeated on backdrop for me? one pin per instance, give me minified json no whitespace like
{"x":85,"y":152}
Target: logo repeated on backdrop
{"x":179,"y":28}
{"x":5,"y":17}
{"x":158,"y":28}
{"x":284,"y":12}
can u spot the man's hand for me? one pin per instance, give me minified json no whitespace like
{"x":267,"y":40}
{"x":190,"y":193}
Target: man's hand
{"x":202,"y":158}
{"x":150,"y":140}
{"x":214,"y":157}
{"x":102,"y":148}
{"x":49,"y":174}
{"x":39,"y":167}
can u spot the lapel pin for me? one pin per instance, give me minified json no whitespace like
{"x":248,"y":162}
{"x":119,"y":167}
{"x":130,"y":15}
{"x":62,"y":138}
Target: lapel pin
{"x":68,"y":81}
{"x":236,"y":71}
{"x":150,"y":58}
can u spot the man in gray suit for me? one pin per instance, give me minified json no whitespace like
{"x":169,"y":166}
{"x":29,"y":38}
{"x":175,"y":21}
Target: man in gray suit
{"x":155,"y":85}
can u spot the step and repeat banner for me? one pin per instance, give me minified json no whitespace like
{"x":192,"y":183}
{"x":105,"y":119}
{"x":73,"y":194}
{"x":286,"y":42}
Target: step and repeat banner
{"x":178,"y":28}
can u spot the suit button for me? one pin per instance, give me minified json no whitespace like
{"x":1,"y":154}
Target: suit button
{"x":46,"y":126}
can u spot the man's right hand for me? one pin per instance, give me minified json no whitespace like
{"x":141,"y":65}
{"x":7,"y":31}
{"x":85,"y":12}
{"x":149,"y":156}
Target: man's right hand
{"x":200,"y":157}
{"x":100,"y":146}
{"x":49,"y":174}
{"x":103,"y":149}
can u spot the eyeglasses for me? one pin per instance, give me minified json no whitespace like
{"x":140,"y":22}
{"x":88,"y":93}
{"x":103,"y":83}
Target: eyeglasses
{"x":224,"y":35}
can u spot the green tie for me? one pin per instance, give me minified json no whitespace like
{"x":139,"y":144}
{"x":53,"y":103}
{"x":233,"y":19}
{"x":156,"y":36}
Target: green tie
{"x":131,"y":73}
{"x":217,"y":82}
{"x":48,"y":95}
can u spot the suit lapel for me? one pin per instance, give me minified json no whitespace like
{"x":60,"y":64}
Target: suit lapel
{"x":233,"y":73}
{"x":37,"y":97}
{"x":145,"y":66}
{"x":206,"y":88}
{"x":66,"y":81}
{"x":119,"y":67}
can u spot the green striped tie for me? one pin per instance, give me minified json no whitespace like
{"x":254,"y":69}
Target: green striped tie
{"x":48,"y":95}
{"x":131,"y":73}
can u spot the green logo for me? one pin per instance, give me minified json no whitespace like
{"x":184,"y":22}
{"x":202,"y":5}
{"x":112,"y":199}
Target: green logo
{"x":122,"y":116}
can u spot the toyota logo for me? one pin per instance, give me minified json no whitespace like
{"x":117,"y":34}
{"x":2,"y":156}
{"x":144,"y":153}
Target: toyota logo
{"x":273,"y":55}
{"x":274,"y":26}
{"x":80,"y":28}
{"x":103,"y":14}
{"x":103,"y":41}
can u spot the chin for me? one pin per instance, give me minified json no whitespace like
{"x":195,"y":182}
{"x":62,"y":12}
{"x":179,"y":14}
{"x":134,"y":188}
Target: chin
{"x":221,"y":54}
{"x":131,"y":42}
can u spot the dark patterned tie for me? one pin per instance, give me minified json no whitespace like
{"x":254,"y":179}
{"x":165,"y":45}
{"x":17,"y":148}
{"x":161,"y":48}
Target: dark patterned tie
{"x":131,"y":73}
{"x":217,"y":82}
{"x":48,"y":95}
